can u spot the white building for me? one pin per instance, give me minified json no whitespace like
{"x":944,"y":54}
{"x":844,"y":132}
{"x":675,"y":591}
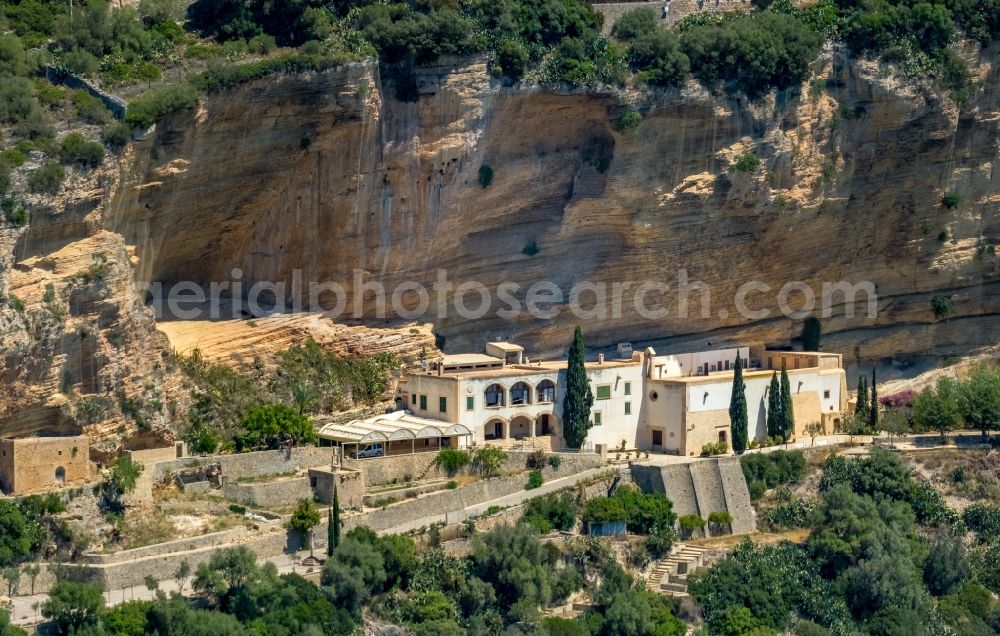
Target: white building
{"x":673,"y":403}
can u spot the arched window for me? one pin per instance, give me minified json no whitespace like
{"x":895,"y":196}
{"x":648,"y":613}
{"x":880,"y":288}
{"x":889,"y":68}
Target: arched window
{"x":60,"y":475}
{"x":494,"y":395}
{"x":520,"y":393}
{"x":546,"y":391}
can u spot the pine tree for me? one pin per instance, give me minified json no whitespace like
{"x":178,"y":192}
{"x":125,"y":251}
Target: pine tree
{"x":738,"y":408}
{"x":787,"y":414}
{"x":811,"y":334}
{"x":579,"y":398}
{"x":861,"y":409}
{"x":774,"y":417}
{"x":873,"y":406}
{"x":333,"y":525}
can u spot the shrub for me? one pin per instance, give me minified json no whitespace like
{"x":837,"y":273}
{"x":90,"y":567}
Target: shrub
{"x":942,"y":306}
{"x":659,"y":59}
{"x":535,"y":480}
{"x":753,"y":53}
{"x":512,"y":59}
{"x":690,"y":524}
{"x":720,"y":518}
{"x":237,"y":508}
{"x":551,"y":511}
{"x":77,"y":149}
{"x":159,"y":102}
{"x":89,"y":108}
{"x":718,"y":448}
{"x":451,"y":485}
{"x":530,"y":249}
{"x":555,"y":461}
{"x":984,"y":520}
{"x":747,"y":162}
{"x":951,"y":199}
{"x":452,"y":460}
{"x":775,"y":468}
{"x":489,"y":460}
{"x":116,"y":136}
{"x":628,"y":120}
{"x":485,"y":176}
{"x":536,"y":460}
{"x":635,"y":23}
{"x":47,"y":178}
{"x":602,"y":509}
{"x":757,"y":489}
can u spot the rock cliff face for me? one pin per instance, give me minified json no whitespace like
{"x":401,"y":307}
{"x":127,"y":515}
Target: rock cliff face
{"x":328,"y":173}
{"x":312,"y":177}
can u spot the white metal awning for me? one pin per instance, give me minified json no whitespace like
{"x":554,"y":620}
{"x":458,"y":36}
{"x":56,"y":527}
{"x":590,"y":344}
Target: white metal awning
{"x":395,"y":426}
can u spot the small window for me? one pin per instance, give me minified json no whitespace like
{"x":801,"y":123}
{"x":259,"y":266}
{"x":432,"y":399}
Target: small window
{"x":423,"y":402}
{"x":604,"y":392}
{"x":826,"y":394}
{"x":653,"y":396}
{"x":443,"y":404}
{"x":597,"y":418}
{"x":470,"y":403}
{"x":628,"y":408}
{"x":628,"y":388}
{"x":413,"y":399}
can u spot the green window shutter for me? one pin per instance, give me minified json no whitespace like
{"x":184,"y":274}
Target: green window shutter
{"x":628,"y":388}
{"x":470,"y":403}
{"x":604,"y":392}
{"x":597,"y":418}
{"x":423,"y":402}
{"x":628,"y":408}
{"x":443,"y":404}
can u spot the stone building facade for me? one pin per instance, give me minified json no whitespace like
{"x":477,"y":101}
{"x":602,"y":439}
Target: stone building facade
{"x":41,"y":463}
{"x":673,"y":403}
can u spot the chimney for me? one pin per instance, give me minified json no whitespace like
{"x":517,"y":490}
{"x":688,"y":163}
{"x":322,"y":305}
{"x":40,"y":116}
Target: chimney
{"x":600,"y":358}
{"x":440,"y":368}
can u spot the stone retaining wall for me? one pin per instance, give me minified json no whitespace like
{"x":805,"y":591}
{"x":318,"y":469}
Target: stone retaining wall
{"x":257,"y":464}
{"x":267,"y":494}
{"x":115,"y":104}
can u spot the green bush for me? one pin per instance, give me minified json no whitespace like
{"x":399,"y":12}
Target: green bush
{"x":635,"y":24}
{"x":535,"y":480}
{"x":951,"y":199}
{"x":536,"y":460}
{"x":237,"y":508}
{"x":451,"y":485}
{"x":774,"y":469}
{"x":747,"y":162}
{"x":485,"y":176}
{"x":659,"y":59}
{"x":452,"y":460}
{"x":89,"y":108}
{"x":116,"y":136}
{"x":603,"y":509}
{"x":984,"y":520}
{"x":159,"y":102}
{"x":690,"y":524}
{"x":628,"y":120}
{"x":718,"y":448}
{"x":78,"y":150}
{"x":942,"y":306}
{"x":555,"y":461}
{"x":47,"y":178}
{"x":14,"y":214}
{"x":753,"y":53}
{"x":551,"y":511}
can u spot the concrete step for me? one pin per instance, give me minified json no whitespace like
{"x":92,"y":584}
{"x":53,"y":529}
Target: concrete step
{"x":674,"y":587}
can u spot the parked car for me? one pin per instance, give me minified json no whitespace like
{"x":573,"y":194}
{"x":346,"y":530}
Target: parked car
{"x":372,"y":450}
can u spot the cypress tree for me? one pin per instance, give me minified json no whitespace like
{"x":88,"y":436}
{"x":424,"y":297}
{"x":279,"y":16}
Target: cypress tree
{"x":861,"y":409}
{"x":811,"y":334}
{"x":774,"y":417}
{"x":738,"y":408}
{"x":579,"y":398}
{"x":333,"y":525}
{"x":873,"y":406}
{"x":787,"y":414}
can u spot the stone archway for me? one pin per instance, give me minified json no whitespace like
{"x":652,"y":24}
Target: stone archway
{"x":520,"y":427}
{"x":548,"y":424}
{"x":495,"y":428}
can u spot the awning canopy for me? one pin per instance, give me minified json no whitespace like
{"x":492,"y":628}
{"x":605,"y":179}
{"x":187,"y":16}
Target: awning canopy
{"x":395,"y":426}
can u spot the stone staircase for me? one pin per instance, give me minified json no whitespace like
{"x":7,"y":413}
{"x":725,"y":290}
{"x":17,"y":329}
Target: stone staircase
{"x":669,"y":576}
